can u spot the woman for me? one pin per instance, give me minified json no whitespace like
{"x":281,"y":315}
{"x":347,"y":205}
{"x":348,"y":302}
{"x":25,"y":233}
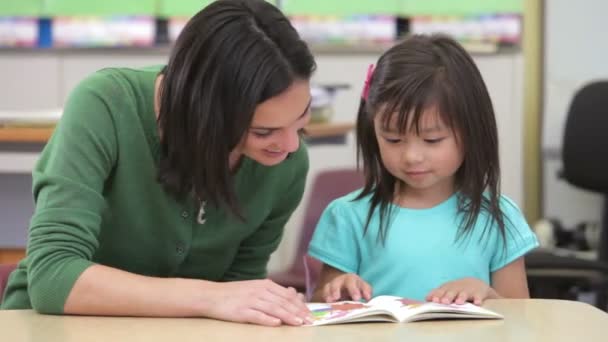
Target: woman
{"x":163,"y":191}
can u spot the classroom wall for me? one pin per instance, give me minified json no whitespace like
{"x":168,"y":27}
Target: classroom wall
{"x":42,"y":80}
{"x":576,"y":52}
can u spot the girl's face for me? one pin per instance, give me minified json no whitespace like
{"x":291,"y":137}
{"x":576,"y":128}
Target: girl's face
{"x":274,"y":131}
{"x":426,"y":162}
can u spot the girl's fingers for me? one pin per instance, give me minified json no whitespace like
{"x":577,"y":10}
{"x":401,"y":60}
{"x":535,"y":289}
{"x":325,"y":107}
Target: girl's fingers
{"x":334,"y":289}
{"x":477,"y":299}
{"x":352,"y":287}
{"x":327,"y":293}
{"x":366,"y":290}
{"x":448,"y":297}
{"x":436,"y":295}
{"x":461,"y":298}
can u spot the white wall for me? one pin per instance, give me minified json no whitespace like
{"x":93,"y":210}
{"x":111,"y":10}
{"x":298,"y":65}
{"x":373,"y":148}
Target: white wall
{"x":51,"y":78}
{"x":576,"y":52}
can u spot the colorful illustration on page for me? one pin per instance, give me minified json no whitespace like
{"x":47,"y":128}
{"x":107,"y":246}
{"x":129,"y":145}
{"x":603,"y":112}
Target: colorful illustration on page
{"x":409,"y":303}
{"x":335,"y":310}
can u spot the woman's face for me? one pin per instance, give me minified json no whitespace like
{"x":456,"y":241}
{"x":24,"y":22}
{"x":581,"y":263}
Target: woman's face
{"x":274,"y":131}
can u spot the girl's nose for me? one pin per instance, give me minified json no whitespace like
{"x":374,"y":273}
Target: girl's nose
{"x":412,"y":155}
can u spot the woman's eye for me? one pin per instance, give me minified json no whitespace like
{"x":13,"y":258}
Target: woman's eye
{"x":261,"y":134}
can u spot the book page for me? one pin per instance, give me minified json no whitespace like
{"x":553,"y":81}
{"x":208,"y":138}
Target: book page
{"x":394,"y":309}
{"x":348,"y":311}
{"x":409,"y":312}
{"x":392,"y":302}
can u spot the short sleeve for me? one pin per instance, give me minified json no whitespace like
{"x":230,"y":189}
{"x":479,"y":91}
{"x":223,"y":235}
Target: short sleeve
{"x":335,"y":241}
{"x":519,"y":238}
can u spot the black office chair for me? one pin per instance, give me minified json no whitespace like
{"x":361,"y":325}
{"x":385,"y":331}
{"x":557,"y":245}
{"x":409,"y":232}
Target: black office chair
{"x":585,"y":165}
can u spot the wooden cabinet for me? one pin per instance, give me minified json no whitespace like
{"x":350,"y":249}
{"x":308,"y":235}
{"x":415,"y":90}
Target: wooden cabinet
{"x":11,"y":256}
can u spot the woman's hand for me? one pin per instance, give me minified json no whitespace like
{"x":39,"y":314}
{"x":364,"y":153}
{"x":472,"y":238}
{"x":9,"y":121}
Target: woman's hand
{"x":255,"y":301}
{"x":346,"y":286}
{"x":461,"y":291}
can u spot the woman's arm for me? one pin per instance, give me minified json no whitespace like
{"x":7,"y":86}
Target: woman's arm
{"x":102,"y":290}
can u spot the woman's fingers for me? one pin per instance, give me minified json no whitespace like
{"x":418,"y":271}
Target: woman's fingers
{"x":258,"y":317}
{"x":276,"y":308}
{"x":289,"y":300}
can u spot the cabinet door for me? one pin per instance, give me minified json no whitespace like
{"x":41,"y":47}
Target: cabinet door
{"x":31,"y":80}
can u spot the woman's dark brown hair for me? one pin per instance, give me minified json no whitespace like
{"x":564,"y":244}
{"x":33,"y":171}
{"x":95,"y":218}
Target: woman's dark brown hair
{"x":230,"y":57}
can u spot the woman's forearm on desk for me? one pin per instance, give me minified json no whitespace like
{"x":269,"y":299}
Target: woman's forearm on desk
{"x":102,"y":290}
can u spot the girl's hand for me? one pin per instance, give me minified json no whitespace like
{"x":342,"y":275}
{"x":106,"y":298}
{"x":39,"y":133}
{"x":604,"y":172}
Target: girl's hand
{"x":461,"y":291}
{"x":346,"y":286}
{"x":257,"y":301}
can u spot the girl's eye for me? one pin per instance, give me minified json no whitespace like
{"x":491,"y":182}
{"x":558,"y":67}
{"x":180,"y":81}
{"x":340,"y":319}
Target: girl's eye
{"x":392,"y":141}
{"x":433,"y":141}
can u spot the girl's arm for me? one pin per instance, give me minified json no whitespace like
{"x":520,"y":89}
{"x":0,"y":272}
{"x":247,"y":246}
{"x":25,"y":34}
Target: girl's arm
{"x":507,"y":282}
{"x":510,"y":281}
{"x":328,"y":273}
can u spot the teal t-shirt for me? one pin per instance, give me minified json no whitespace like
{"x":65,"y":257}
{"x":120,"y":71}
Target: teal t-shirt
{"x":421,"y":249}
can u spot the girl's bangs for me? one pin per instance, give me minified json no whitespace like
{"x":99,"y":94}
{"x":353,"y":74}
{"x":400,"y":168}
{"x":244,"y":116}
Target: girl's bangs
{"x":405,"y":105}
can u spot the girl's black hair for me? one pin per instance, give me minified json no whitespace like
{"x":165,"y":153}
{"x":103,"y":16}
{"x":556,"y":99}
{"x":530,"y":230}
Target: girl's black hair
{"x":419,"y":73}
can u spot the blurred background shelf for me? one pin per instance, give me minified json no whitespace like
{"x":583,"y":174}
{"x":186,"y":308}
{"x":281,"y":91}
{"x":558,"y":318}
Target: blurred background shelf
{"x":144,"y":23}
{"x":25,"y":134}
{"x":42,"y":134}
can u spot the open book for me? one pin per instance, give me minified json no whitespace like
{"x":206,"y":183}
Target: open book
{"x":394,"y":309}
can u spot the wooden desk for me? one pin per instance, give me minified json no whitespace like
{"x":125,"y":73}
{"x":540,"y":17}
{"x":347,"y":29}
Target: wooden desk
{"x":525,"y":320}
{"x":42,"y":134}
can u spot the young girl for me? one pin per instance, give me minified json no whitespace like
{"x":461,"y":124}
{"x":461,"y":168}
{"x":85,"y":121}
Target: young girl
{"x":430,"y":223}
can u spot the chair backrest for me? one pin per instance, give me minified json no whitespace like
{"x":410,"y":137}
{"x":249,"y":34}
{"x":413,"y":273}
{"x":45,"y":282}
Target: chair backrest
{"x":585,"y":162}
{"x":327,"y":186}
{"x":586,"y":137}
{"x":5,"y":271}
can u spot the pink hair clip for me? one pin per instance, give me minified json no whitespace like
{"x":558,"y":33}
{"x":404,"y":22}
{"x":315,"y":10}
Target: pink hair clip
{"x":368,"y":81}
